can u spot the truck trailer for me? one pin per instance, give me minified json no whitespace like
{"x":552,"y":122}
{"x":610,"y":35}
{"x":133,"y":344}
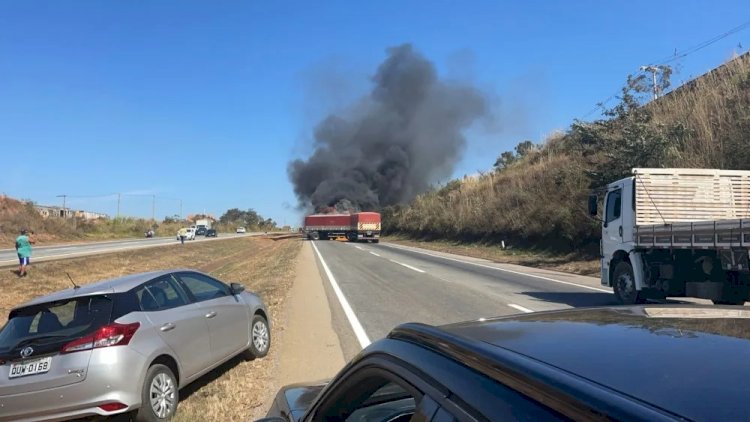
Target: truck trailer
{"x":354,"y":227}
{"x":677,"y":233}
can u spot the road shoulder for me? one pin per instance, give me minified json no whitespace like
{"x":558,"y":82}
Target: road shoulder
{"x":310,"y":349}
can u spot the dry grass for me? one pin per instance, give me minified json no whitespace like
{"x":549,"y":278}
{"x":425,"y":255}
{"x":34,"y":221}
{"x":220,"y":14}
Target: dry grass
{"x":236,"y":391}
{"x":566,"y":263}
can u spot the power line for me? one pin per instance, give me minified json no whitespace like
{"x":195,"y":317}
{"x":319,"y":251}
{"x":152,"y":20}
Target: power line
{"x":678,"y":55}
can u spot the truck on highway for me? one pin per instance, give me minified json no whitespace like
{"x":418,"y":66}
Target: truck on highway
{"x":354,"y":227}
{"x":204,"y":223}
{"x":676,"y":233}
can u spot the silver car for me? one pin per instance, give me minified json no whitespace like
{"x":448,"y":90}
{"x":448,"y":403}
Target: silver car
{"x":125,"y":345}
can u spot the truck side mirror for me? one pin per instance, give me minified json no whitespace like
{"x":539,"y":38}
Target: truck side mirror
{"x":593,"y":205}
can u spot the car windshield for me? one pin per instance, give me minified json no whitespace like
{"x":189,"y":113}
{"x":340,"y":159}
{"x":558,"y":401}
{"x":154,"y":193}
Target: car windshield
{"x":63,"y":319}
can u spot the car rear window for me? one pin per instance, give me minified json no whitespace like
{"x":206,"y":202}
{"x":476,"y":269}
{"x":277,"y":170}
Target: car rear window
{"x":59,"y":320}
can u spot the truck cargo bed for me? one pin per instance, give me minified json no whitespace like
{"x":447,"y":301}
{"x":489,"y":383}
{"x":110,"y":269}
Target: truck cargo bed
{"x":719,"y":234}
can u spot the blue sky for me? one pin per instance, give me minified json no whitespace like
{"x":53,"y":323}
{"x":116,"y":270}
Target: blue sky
{"x":206,"y":102}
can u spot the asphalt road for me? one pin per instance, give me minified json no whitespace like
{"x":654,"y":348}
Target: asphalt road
{"x":384,"y":285}
{"x":48,"y":253}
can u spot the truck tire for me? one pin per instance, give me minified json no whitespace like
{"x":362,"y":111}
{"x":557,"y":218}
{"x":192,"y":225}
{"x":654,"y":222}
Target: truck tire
{"x":623,"y":284}
{"x":314,"y":236}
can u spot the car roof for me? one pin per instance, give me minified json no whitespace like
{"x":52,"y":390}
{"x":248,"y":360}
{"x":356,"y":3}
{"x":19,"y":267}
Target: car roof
{"x":684,"y":360}
{"x":114,"y":285}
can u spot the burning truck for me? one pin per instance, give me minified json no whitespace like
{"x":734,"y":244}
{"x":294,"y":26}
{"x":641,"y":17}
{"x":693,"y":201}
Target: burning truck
{"x":358,"y":226}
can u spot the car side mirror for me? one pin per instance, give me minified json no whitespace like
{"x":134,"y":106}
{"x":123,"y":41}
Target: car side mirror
{"x":593,"y":205}
{"x":237,"y":288}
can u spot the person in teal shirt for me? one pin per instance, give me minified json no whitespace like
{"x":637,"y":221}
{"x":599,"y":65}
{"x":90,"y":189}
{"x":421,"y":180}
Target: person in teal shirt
{"x":23,"y":248}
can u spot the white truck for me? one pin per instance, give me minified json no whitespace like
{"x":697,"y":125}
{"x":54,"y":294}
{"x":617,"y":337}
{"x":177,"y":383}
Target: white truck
{"x":677,"y":233}
{"x":203,"y":223}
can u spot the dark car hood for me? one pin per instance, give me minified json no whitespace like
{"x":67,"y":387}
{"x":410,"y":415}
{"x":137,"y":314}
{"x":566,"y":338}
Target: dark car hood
{"x":657,"y":353}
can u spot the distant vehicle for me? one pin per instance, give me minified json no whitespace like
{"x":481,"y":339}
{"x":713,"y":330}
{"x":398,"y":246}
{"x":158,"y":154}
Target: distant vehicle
{"x":200,"y":231}
{"x":189,"y":234}
{"x":241,"y":230}
{"x":125,"y":345}
{"x":677,"y":232}
{"x":149,"y":233}
{"x":358,"y":226}
{"x":211,"y":233}
{"x":203,"y":222}
{"x":559,"y":365}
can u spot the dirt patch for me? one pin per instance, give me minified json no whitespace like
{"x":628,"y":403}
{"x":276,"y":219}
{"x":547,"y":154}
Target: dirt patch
{"x":236,"y":391}
{"x":565,"y":263}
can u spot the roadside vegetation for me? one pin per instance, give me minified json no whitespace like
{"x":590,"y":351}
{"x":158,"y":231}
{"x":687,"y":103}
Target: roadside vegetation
{"x":535,"y":196}
{"x":237,"y":390}
{"x":17,"y":215}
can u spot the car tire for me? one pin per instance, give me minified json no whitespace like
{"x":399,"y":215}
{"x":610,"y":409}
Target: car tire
{"x":623,"y":284}
{"x":161,"y":386}
{"x":260,"y":339}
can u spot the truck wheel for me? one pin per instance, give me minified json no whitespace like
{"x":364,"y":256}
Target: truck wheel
{"x":314,"y":236}
{"x":624,"y":285}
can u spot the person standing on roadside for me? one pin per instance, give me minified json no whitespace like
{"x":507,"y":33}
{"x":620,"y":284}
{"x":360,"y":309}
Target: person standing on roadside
{"x":23,"y":249}
{"x":182,"y":234}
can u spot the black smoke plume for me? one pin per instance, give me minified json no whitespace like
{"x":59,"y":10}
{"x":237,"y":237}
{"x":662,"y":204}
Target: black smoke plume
{"x":394,"y":143}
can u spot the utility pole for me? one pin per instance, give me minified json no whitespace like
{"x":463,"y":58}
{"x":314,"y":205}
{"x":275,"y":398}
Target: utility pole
{"x":153,"y":207}
{"x":64,"y":197}
{"x":653,"y":70}
{"x":118,"y":205}
{"x":180,"y":209}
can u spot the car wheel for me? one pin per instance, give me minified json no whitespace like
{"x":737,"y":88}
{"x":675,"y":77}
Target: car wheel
{"x":159,"y":396}
{"x":624,"y":285}
{"x":260,"y":339}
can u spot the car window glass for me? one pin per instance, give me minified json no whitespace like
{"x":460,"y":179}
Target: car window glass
{"x":614,"y":205}
{"x":68,"y":318}
{"x":159,"y":294}
{"x":203,"y":287}
{"x":391,"y":402}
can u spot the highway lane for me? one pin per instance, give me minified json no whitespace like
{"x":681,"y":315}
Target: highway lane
{"x":8,"y":257}
{"x":386,"y":285}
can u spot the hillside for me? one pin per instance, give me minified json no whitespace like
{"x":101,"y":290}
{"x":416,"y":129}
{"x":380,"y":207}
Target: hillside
{"x":535,"y":197}
{"x":16,"y":215}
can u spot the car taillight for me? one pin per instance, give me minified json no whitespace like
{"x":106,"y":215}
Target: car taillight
{"x":109,"y":335}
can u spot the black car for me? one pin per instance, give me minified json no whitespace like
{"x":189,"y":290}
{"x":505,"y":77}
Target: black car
{"x":211,"y":233}
{"x":200,"y":231}
{"x":655,"y":362}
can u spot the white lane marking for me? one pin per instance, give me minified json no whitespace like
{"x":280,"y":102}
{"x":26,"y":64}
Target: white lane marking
{"x":501,"y":269}
{"x":407,"y":266}
{"x":358,"y":247}
{"x":359,"y":331}
{"x":520,"y":308}
{"x":374,"y":253}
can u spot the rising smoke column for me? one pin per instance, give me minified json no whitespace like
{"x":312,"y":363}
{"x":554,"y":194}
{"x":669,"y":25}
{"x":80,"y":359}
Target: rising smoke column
{"x":394,"y":143}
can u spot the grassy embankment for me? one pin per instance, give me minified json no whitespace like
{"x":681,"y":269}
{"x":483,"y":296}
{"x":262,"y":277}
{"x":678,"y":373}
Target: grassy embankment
{"x":535,"y":198}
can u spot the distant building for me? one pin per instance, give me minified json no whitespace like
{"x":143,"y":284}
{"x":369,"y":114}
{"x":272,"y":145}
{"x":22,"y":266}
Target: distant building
{"x":59,"y":212}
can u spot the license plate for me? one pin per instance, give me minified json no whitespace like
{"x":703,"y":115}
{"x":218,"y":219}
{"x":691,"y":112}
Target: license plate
{"x":33,"y":367}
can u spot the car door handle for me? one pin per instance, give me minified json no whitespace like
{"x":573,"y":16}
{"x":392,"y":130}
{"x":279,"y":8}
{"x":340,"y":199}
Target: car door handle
{"x":167,"y":327}
{"x":211,"y":314}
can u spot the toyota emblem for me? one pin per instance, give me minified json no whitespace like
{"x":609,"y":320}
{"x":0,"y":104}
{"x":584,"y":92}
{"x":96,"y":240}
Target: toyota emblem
{"x":26,"y":352}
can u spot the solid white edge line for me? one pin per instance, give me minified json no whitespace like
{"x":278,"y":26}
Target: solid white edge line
{"x":520,"y":308}
{"x":407,"y":266}
{"x":358,"y":247}
{"x":374,"y":253}
{"x":359,"y":331}
{"x":499,"y":269}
